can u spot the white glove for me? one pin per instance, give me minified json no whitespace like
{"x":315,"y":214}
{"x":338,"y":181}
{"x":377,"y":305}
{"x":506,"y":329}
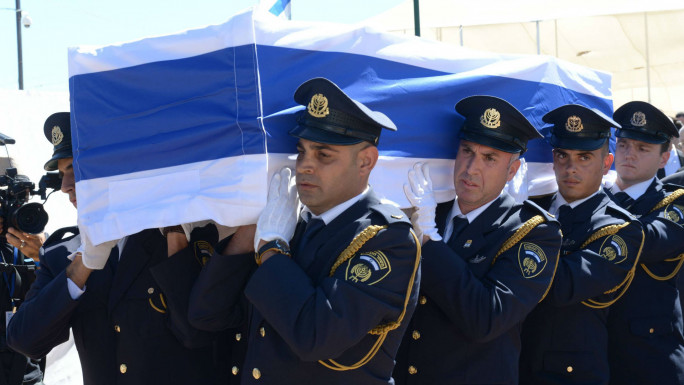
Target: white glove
{"x":419,"y":193}
{"x":188,"y":227}
{"x":279,"y":218}
{"x":95,"y":256}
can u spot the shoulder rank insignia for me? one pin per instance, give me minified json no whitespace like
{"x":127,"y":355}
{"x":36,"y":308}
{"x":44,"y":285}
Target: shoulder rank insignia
{"x":369,"y":267}
{"x":613,"y":249}
{"x":674,"y":212}
{"x":203,"y":251}
{"x":531,"y":259}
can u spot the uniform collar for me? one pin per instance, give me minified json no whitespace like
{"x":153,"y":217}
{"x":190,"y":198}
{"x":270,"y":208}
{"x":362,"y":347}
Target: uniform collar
{"x":334,"y":212}
{"x":559,"y":201}
{"x":471,"y":216}
{"x":634,"y":191}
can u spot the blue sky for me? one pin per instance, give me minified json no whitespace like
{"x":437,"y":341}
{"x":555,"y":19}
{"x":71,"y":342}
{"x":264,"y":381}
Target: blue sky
{"x":59,"y":24}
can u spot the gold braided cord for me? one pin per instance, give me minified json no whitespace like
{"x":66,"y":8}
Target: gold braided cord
{"x":679,"y":259}
{"x":519,"y":234}
{"x":668,"y":199}
{"x":604,"y":231}
{"x":163,"y":311}
{"x":552,"y":277}
{"x":592,"y":303}
{"x":381,"y":330}
{"x":359,"y":240}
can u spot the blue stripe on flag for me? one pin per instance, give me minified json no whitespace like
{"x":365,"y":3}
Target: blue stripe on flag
{"x":206,"y":107}
{"x":166,"y":113}
{"x":279,"y":7}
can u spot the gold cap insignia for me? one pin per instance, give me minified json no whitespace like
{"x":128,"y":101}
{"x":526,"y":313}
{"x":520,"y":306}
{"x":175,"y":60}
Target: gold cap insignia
{"x":318,"y":106}
{"x":638,"y":119}
{"x":574,"y":124}
{"x":614,"y":249}
{"x":491,"y":118}
{"x":531,"y":259}
{"x":57,"y":135}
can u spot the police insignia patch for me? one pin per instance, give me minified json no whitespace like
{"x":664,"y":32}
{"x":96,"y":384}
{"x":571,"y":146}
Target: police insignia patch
{"x":368,"y":267}
{"x":574,"y":124}
{"x":57,"y":135}
{"x":318,"y":106}
{"x":675,"y":213}
{"x":531,"y":259}
{"x":614,"y":249}
{"x":203,"y":251}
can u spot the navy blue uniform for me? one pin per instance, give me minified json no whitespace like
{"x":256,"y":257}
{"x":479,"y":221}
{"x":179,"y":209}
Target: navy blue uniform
{"x":565,"y":340}
{"x":130,"y":325}
{"x":301,"y":317}
{"x":645,"y":326}
{"x":466,"y":329}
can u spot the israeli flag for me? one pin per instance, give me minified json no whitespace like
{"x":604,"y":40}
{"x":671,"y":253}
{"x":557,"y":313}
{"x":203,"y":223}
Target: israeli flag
{"x":281,"y":8}
{"x":190,"y":126}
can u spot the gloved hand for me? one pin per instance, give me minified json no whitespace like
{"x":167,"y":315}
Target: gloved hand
{"x":419,"y":193}
{"x":95,"y":256}
{"x":279,"y":218}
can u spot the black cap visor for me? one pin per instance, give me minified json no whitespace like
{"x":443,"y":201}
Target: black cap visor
{"x":643,"y":136}
{"x":577,"y":143}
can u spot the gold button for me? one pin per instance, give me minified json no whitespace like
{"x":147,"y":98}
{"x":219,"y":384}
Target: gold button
{"x":651,"y":330}
{"x":150,"y":290}
{"x":262,"y":331}
{"x":412,"y":370}
{"x":415,"y":334}
{"x":422,"y":300}
{"x":117,"y":329}
{"x":238,"y":336}
{"x":123,"y":368}
{"x":235,"y":370}
{"x":569,"y":369}
{"x":256,"y":373}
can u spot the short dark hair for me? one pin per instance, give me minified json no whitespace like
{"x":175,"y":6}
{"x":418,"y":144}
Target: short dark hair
{"x":665,"y":147}
{"x":679,"y":114}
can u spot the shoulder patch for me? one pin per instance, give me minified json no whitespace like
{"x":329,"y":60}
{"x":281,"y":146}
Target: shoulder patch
{"x":531,"y":259}
{"x":369,"y":267}
{"x":203,"y":251}
{"x":614,"y":249}
{"x":674,"y":212}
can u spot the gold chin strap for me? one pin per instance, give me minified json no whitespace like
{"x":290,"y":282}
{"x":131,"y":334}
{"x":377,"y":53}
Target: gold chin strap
{"x":603,"y":232}
{"x":518,"y":236}
{"x":680,"y":258}
{"x":381,"y":330}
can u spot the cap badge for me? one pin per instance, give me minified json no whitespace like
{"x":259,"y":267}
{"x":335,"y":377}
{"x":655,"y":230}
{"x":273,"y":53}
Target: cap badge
{"x":574,"y":124}
{"x":638,"y":119}
{"x":491,"y":118}
{"x":57,"y":135}
{"x":318,"y":106}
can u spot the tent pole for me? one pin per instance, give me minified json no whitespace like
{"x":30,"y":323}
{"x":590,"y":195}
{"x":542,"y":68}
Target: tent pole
{"x":460,"y":33}
{"x":538,"y":46}
{"x":416,"y":17}
{"x":648,"y":58}
{"x":555,"y":32}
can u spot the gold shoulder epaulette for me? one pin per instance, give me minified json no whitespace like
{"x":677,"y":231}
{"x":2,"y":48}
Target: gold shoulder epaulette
{"x":668,"y":199}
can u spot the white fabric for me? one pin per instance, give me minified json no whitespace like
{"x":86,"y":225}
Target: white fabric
{"x":279,"y":218}
{"x":419,"y":192}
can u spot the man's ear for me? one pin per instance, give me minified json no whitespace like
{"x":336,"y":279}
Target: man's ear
{"x":607,"y":162}
{"x":366,"y":159}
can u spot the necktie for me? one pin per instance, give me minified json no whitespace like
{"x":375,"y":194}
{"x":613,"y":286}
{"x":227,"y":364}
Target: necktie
{"x":459,"y":224}
{"x":313,"y":226}
{"x":623,"y":199}
{"x":114,"y":258}
{"x":565,"y":218}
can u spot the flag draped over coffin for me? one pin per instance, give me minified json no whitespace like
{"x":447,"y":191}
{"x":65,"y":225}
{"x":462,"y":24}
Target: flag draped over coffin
{"x":190,"y":126}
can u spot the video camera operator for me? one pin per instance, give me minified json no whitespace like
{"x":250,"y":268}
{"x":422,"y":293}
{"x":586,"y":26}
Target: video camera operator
{"x":19,"y":251}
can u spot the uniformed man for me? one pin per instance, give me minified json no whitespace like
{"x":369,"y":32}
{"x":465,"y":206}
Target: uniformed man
{"x":327,"y":299}
{"x":487,"y":260}
{"x":564,"y":340}
{"x":646,"y":345}
{"x":127,"y":305}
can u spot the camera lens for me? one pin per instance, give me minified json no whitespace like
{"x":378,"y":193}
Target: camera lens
{"x":30,"y":218}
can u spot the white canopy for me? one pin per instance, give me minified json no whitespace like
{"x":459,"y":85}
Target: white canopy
{"x":641,"y":43}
